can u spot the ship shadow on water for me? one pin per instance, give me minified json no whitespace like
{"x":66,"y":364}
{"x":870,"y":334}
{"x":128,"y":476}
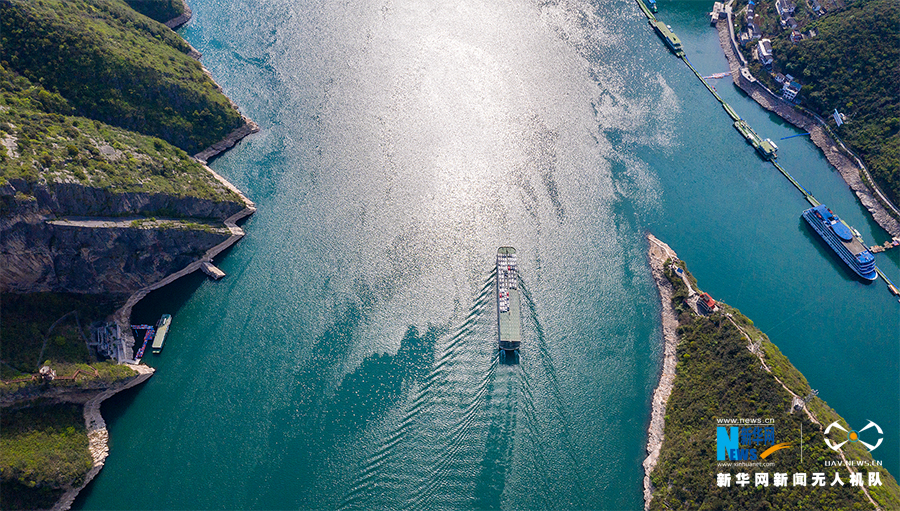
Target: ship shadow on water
{"x":509,"y":358}
{"x":465,"y":392}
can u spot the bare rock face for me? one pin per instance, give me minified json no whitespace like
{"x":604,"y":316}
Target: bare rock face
{"x":72,"y":199}
{"x":83,"y":257}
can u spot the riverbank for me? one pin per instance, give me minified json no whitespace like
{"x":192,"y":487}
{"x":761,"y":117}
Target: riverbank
{"x":190,"y":191}
{"x":96,"y":426}
{"x":844,"y":163}
{"x":123,"y":315}
{"x":728,"y":368}
{"x":98,"y":436}
{"x":176,"y":22}
{"x":658,"y":253}
{"x":35,"y":416}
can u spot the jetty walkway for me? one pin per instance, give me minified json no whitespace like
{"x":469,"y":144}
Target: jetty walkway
{"x":765,"y":147}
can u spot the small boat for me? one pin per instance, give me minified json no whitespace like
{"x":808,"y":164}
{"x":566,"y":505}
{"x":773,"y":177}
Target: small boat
{"x":162,"y":328}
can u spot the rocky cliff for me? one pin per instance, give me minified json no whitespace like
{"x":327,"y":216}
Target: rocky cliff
{"x":65,"y":237}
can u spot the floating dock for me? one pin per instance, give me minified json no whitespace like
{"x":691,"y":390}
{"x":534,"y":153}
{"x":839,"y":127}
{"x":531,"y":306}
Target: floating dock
{"x":669,"y":37}
{"x":646,"y":10}
{"x":889,"y":244}
{"x":891,"y":287}
{"x":162,"y":328}
{"x":766,"y":148}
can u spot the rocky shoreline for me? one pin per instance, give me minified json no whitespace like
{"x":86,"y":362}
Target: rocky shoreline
{"x":98,"y":437}
{"x":176,"y":22}
{"x":658,"y":252}
{"x":833,"y":150}
{"x":123,"y":315}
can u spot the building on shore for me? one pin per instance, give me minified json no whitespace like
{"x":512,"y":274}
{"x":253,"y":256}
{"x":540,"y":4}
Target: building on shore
{"x":764,"y":52}
{"x":790,"y":90}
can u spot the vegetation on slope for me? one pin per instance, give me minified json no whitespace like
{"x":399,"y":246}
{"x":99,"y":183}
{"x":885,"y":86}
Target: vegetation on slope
{"x":717,"y":377}
{"x":39,"y":142}
{"x":27,"y":336}
{"x":159,"y":10}
{"x":96,"y":94}
{"x":852,"y":65}
{"x":43,"y":450}
{"x":44,"y":447}
{"x":116,"y":66}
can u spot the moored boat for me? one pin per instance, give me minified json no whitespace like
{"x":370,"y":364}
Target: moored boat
{"x":671,"y":40}
{"x":841,"y":239}
{"x":162,"y":328}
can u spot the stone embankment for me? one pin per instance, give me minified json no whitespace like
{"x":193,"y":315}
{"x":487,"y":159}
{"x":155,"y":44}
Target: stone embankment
{"x":658,"y":253}
{"x":228,"y":142}
{"x":123,"y":315}
{"x":98,"y":437}
{"x":178,"y":21}
{"x":835,"y":152}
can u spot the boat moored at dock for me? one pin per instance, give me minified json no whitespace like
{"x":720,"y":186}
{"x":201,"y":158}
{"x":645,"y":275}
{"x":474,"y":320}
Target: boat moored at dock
{"x":671,"y":40}
{"x":765,"y":147}
{"x":842,"y":240}
{"x":509,"y":321}
{"x":162,"y":328}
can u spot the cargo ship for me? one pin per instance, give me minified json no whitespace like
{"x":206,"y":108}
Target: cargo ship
{"x":162,"y":328}
{"x":842,"y":240}
{"x":509,"y":321}
{"x":672,"y":40}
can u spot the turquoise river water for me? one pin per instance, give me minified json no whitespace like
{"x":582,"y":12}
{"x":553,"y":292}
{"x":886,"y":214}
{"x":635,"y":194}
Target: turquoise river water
{"x":348,"y":359}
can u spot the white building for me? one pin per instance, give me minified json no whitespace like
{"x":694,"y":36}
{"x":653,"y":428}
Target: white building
{"x":785,"y":9}
{"x":764,"y":52}
{"x":790,"y":90}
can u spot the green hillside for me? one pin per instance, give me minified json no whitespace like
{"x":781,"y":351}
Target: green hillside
{"x":33,"y":476}
{"x":717,"y":377}
{"x":160,"y":10}
{"x":852,"y":65}
{"x":42,"y":144}
{"x":116,"y":66}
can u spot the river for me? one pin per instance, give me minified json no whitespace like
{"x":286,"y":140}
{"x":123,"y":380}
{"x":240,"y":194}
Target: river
{"x":348,"y":359}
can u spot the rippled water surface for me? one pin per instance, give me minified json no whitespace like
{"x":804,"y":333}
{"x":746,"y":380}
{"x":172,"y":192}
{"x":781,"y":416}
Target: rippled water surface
{"x":348,"y":359}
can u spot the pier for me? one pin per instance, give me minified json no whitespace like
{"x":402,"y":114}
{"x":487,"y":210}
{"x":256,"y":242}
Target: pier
{"x":891,"y":243}
{"x":213,"y":272}
{"x":797,"y":135}
{"x":765,"y":147}
{"x":151,"y":331}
